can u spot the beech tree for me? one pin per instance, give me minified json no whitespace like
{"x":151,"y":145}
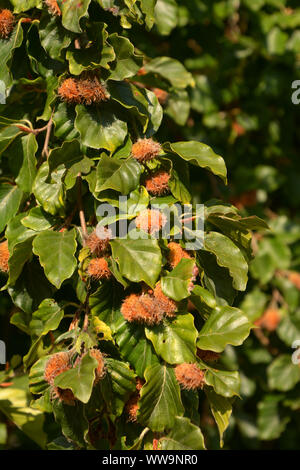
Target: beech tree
{"x":126,"y":333}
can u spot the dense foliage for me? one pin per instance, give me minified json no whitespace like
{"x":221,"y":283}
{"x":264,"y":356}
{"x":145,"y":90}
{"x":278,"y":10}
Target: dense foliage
{"x":244,"y":58}
{"x":120,"y":343}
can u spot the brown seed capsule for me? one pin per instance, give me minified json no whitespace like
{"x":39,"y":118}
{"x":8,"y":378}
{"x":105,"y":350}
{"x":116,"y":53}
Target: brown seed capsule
{"x":190,"y":376}
{"x":98,"y":241}
{"x":68,"y":91}
{"x":151,"y":220}
{"x":98,"y":269}
{"x":149,"y":308}
{"x":142,"y":309}
{"x":56,"y":364}
{"x":7,"y":21}
{"x":100,"y":371}
{"x":91,"y":91}
{"x":4,"y":256}
{"x":157,"y":184}
{"x":145,"y":149}
{"x":167,"y":305}
{"x":53,"y":7}
{"x":176,"y":253}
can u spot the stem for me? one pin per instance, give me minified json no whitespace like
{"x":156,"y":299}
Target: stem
{"x":81,"y":211}
{"x":45,"y":150}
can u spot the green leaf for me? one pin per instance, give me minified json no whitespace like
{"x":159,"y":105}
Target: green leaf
{"x":221,"y":409}
{"x":122,"y":381}
{"x":139,"y":260}
{"x":133,"y":98}
{"x":226,"y":325}
{"x":271,"y":423}
{"x":203,"y":300}
{"x":51,"y":89}
{"x":72,"y":420}
{"x":19,"y":254}
{"x":46,"y":318}
{"x":16,"y":232}
{"x":10,"y":198}
{"x":50,"y":195}
{"x":283,"y":375}
{"x":199,"y":154}
{"x":37,"y":383}
{"x":105,"y":304}
{"x":72,"y":13}
{"x":99,"y":127}
{"x":25,"y":149}
{"x":14,"y":404}
{"x":7,"y":47}
{"x":176,"y":283}
{"x":178,"y":106}
{"x":26,"y":296}
{"x":64,"y":118}
{"x":175,"y":340}
{"x":160,"y":400}
{"x":68,"y":154}
{"x":127,"y":63}
{"x":166,"y":16}
{"x":24,"y":5}
{"x":79,"y":379}
{"x":38,"y":220}
{"x":8,"y":133}
{"x":134,"y":346}
{"x":224,"y":382}
{"x":183,"y":436}
{"x":99,"y":52}
{"x":56,"y":252}
{"x":54,"y":38}
{"x":172,"y":70}
{"x":120,"y":175}
{"x":229,"y":256}
{"x":147,"y":7}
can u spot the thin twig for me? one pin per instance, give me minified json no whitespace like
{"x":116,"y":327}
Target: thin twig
{"x":45,"y":151}
{"x":81,"y":211}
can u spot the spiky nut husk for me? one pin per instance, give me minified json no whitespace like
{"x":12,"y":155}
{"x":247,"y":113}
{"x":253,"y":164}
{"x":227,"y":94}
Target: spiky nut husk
{"x":189,"y":376}
{"x":132,"y":407}
{"x":150,"y":220}
{"x":142,"y":309}
{"x":91,"y":91}
{"x":56,"y":365}
{"x":167,"y":305}
{"x":145,"y":149}
{"x":4,"y":256}
{"x":99,"y":245}
{"x":157,"y":184}
{"x":7,"y":21}
{"x":68,"y":91}
{"x":175,"y":254}
{"x":53,"y":7}
{"x":100,"y":371}
{"x":98,"y":269}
